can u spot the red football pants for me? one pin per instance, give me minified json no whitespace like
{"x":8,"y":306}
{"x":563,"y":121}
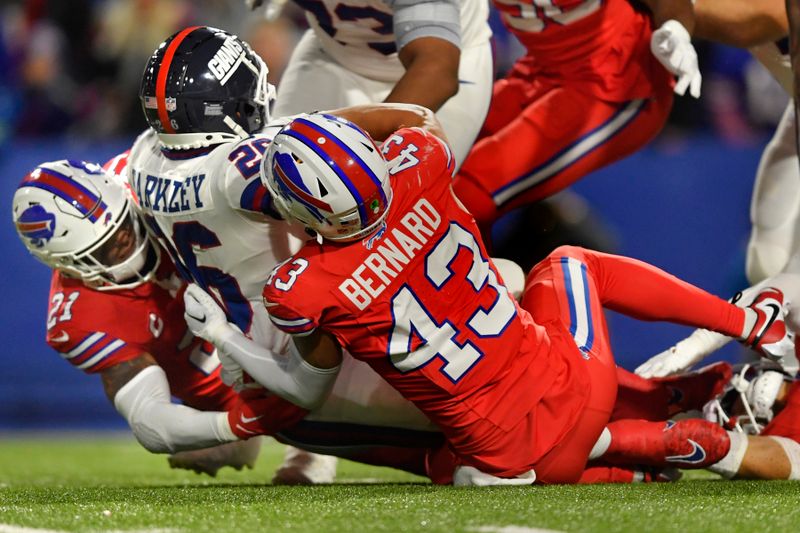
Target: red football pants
{"x":569,"y":290}
{"x":539,"y":138}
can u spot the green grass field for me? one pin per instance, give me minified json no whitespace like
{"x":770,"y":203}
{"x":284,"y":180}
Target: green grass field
{"x":111,"y":484}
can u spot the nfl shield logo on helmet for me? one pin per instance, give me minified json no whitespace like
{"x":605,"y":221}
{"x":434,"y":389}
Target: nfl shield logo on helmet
{"x":37,"y":224}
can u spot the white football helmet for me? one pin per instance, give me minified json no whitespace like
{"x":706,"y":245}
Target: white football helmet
{"x":76,"y":217}
{"x":746,"y":403}
{"x":327,"y":173}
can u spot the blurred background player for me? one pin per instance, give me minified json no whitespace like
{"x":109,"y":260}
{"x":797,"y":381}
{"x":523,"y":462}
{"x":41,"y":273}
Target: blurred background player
{"x":762,"y":28}
{"x":304,"y":173}
{"x":435,"y":53}
{"x":116,"y":310}
{"x":588,"y":91}
{"x":772,"y":251}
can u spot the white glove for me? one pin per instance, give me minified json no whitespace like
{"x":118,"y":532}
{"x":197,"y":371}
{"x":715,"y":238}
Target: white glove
{"x":684,"y":355}
{"x":666,"y":363}
{"x":672,"y":46}
{"x":207,"y":320}
{"x":204,"y":317}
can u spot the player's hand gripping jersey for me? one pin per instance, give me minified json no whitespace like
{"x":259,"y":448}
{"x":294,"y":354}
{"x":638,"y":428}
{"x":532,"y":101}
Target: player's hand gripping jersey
{"x":211,"y":213}
{"x":393,"y":300}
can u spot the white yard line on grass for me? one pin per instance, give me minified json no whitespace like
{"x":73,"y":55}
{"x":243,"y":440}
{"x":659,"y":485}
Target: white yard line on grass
{"x":10,"y":528}
{"x":511,"y":529}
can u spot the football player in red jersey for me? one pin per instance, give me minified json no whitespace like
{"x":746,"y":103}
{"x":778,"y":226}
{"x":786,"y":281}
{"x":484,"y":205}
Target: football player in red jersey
{"x":116,"y":310}
{"x":594,"y":86}
{"x":411,"y":291}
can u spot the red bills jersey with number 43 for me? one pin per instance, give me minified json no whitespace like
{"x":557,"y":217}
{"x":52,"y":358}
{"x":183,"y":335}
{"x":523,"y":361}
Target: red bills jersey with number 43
{"x":423,"y":305}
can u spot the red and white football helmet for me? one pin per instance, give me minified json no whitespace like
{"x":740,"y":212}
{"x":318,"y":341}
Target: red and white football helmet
{"x":327,"y":173}
{"x":76,"y":217}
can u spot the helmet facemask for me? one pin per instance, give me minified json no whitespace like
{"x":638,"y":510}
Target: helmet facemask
{"x":124,"y":258}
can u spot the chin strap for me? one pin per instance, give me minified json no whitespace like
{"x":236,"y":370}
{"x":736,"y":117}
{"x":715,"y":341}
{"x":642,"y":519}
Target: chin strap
{"x":189,"y":141}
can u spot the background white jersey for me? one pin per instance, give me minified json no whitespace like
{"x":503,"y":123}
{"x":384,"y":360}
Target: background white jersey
{"x":360,"y":35}
{"x":327,"y":72}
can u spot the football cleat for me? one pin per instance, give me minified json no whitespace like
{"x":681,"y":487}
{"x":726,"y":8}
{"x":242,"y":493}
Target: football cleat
{"x":691,"y":391}
{"x":237,"y":455}
{"x":305,"y":468}
{"x":769,"y":335}
{"x":694,"y":443}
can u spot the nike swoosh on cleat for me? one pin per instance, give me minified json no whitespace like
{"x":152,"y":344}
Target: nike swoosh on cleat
{"x":247,"y":419}
{"x":697,"y":455}
{"x":466,"y":82}
{"x":775,"y":311}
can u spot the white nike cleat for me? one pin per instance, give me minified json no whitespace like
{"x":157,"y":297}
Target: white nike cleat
{"x":238,"y":454}
{"x":305,"y":468}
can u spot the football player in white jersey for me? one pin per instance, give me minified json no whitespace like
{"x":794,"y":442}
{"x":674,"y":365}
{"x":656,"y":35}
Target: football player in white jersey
{"x":772,"y":252}
{"x":435,"y":53}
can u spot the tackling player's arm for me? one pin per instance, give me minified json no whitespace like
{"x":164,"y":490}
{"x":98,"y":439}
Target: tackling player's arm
{"x":740,"y":22}
{"x":428,"y":35}
{"x":382,"y":120}
{"x":140,"y":392}
{"x":289,"y":376}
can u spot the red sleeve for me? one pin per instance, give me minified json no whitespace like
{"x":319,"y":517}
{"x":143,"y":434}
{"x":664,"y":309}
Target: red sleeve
{"x":90,"y":351}
{"x":76,"y":332}
{"x":284,"y":295}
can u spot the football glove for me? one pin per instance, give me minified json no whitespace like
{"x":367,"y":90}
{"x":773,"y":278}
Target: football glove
{"x":672,"y":46}
{"x":259,"y":412}
{"x":204,"y":317}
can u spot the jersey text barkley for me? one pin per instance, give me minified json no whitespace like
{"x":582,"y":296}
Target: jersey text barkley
{"x":167,"y":195}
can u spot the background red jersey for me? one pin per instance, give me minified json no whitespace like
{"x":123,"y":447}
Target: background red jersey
{"x":94,"y":330}
{"x":602,"y":45}
{"x":423,"y":305}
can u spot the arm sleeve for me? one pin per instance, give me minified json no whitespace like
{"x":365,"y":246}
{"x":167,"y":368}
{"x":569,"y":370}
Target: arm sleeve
{"x":162,"y":426}
{"x":432,"y":18}
{"x":290,"y":376}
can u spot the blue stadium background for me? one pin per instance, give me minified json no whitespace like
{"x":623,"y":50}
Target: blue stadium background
{"x":680,"y":205}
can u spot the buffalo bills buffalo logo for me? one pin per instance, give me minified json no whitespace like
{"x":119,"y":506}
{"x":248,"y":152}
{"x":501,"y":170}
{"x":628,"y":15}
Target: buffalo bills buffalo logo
{"x":36,"y":224}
